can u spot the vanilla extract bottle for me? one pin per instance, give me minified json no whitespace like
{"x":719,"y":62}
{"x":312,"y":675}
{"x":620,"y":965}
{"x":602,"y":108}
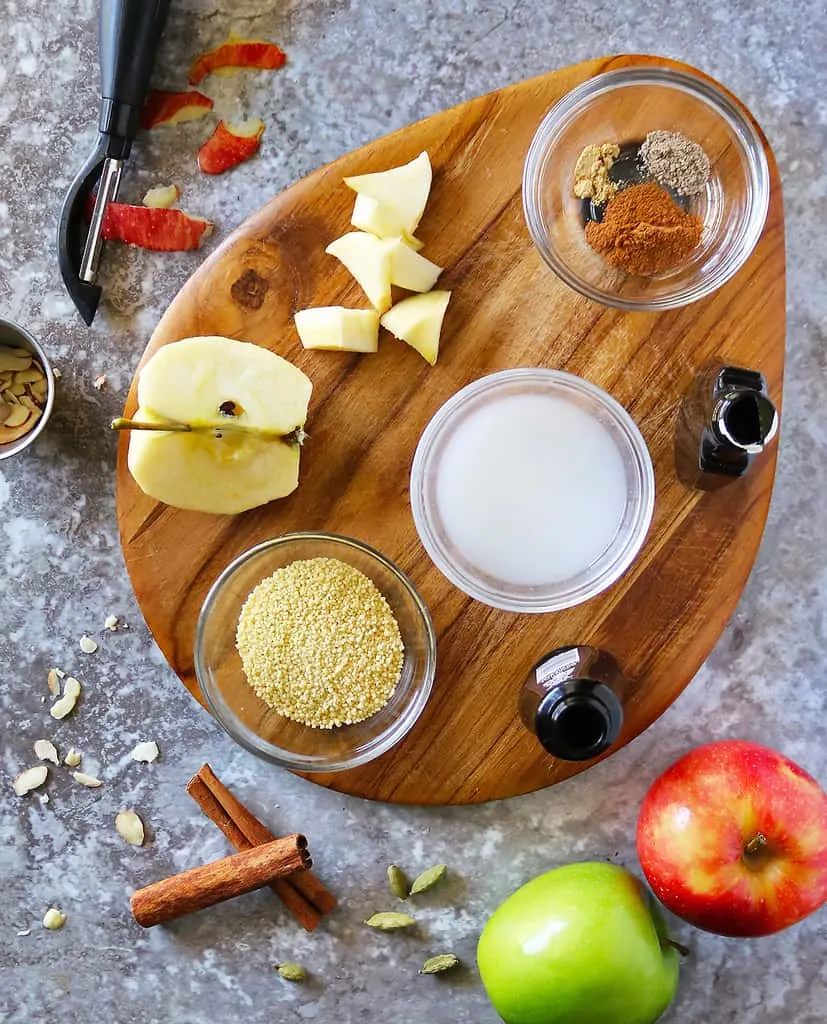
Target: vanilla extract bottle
{"x":572,"y":700}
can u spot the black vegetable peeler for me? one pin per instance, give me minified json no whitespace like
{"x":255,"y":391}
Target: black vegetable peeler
{"x":130,"y":31}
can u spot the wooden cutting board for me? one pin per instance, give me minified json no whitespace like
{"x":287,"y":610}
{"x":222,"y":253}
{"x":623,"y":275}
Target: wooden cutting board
{"x":367,"y":413}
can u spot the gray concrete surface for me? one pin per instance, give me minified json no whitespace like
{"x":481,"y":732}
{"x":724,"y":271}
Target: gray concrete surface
{"x":356,"y":71}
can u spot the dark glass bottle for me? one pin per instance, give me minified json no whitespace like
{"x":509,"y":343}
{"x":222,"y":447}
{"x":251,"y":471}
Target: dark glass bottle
{"x":572,"y":702}
{"x":725,"y":421}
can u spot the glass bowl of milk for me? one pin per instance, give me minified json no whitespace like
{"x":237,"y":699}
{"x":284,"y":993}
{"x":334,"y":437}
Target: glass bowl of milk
{"x":532,"y":490}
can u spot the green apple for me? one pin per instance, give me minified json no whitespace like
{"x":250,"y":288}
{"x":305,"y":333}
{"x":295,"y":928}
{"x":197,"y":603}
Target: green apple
{"x":583,"y":944}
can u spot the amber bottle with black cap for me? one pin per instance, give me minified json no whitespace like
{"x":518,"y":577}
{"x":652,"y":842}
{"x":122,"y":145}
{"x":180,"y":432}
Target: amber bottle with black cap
{"x":572,"y":700}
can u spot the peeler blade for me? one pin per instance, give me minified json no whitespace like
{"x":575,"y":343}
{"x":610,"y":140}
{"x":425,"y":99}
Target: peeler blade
{"x":72,"y":234}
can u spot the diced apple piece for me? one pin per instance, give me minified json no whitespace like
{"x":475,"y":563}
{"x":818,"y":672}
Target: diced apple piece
{"x":161,"y":230}
{"x":164,"y":107}
{"x":401,"y":194}
{"x":236,"y":54}
{"x":189,"y":381}
{"x":229,"y":145}
{"x":203,"y":473}
{"x":418,"y":321}
{"x":162,"y":197}
{"x":370,"y":216}
{"x":369,"y":260}
{"x":410,"y":270}
{"x":337,"y":329}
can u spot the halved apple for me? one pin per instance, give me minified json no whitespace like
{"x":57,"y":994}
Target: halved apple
{"x":337,"y":329}
{"x":418,"y":321}
{"x":369,"y":260}
{"x":400,"y":195}
{"x":240,"y":401}
{"x":409,"y":269}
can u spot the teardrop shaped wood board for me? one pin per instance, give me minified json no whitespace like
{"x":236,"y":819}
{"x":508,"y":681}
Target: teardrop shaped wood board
{"x":368,"y":412}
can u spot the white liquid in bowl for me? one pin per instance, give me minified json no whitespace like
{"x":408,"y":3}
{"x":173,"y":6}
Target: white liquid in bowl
{"x":531,"y":489}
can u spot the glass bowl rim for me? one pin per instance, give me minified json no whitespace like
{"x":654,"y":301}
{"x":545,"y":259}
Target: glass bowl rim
{"x":250,"y":740}
{"x":740,"y":121}
{"x":623,"y":555}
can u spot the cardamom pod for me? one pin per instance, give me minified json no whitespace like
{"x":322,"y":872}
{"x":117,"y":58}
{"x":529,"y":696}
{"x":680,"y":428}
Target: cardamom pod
{"x":438,"y":964}
{"x":389,"y":921}
{"x":291,"y":972}
{"x":428,"y":879}
{"x":398,"y":882}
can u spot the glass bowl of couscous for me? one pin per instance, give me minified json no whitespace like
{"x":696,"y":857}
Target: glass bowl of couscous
{"x":315,"y":652}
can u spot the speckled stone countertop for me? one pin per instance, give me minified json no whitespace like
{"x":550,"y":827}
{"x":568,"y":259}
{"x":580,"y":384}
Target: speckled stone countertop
{"x":356,"y":71}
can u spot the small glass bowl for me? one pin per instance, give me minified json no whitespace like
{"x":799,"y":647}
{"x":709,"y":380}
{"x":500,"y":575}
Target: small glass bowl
{"x":15,"y":336}
{"x":256,"y":726}
{"x":624,"y":106}
{"x":561,"y":593}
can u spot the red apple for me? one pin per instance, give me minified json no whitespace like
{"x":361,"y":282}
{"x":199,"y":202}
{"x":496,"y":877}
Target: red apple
{"x":733,"y":839}
{"x":230,"y":145}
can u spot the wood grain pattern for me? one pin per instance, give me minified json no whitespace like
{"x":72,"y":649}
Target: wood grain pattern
{"x":367,"y":413}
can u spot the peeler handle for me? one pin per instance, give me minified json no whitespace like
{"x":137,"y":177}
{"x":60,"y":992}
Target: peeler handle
{"x":130,"y":31}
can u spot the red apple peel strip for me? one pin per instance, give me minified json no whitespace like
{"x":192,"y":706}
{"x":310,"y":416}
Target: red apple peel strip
{"x":237,"y":53}
{"x":230,"y":145}
{"x":164,"y":107}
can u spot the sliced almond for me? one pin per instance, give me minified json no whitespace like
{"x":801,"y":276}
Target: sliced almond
{"x":56,"y":373}
{"x":87,"y":644}
{"x":73,"y":758}
{"x":18,"y":414}
{"x":10,"y":360}
{"x":54,"y":919}
{"x":71,"y":691}
{"x":130,"y":827}
{"x":30,"y":376}
{"x":53,"y":682}
{"x":111,"y":622}
{"x":30,"y":779}
{"x":86,"y":780}
{"x":46,"y":751}
{"x":147,"y":752}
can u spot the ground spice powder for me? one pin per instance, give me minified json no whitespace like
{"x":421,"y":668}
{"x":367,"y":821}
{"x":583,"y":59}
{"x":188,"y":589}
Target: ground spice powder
{"x":644,"y":231}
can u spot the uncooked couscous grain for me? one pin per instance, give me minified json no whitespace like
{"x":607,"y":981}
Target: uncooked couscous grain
{"x":319,"y":643}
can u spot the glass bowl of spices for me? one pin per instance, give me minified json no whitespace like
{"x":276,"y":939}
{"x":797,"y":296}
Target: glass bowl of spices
{"x":315,"y":652}
{"x":646,"y":188}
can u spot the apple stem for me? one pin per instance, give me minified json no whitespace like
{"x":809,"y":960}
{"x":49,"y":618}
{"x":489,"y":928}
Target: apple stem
{"x":295,"y":437}
{"x":678,"y":946}
{"x":758,"y":842}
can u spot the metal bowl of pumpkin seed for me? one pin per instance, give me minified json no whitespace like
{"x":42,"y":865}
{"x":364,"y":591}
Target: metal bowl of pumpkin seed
{"x":27,"y":389}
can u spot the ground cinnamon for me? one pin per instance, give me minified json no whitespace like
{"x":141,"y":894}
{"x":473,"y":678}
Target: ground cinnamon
{"x":644,"y":231}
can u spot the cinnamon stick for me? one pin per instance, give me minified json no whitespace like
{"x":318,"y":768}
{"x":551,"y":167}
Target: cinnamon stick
{"x":219,"y":881}
{"x":307,"y":883}
{"x":305,"y":912}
